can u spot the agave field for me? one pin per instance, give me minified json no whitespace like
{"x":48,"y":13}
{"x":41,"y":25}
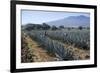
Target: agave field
{"x":80,"y":38}
{"x":64,"y":44}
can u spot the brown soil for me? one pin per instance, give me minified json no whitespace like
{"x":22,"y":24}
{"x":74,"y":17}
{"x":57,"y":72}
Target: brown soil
{"x":38,"y":54}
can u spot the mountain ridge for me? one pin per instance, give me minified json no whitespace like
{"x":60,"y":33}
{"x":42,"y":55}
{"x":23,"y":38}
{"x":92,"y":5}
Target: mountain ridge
{"x":72,"y":21}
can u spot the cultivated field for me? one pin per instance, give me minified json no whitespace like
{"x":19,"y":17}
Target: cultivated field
{"x":55,"y":45}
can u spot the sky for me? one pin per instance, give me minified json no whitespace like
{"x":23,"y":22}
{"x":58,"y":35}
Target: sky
{"x":39,"y":17}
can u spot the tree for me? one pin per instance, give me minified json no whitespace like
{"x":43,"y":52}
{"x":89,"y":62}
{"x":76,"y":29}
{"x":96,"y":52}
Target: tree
{"x":29,"y":26}
{"x":46,"y":26}
{"x":37,"y":26}
{"x":61,"y":27}
{"x":80,"y":27}
{"x":69,"y":28}
{"x":54,"y":27}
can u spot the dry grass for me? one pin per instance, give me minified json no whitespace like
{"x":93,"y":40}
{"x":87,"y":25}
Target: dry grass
{"x":84,"y":54}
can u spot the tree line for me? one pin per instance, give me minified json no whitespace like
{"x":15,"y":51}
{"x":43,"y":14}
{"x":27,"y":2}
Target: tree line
{"x":45,"y":26}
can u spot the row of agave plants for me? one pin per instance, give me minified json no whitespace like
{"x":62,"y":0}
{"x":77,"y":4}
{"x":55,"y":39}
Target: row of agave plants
{"x":53,"y":46}
{"x":78,"y":38}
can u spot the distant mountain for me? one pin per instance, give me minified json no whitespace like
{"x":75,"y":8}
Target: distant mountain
{"x":72,"y":21}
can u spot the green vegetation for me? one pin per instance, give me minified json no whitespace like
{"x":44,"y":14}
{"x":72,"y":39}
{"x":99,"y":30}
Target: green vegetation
{"x":65,"y":43}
